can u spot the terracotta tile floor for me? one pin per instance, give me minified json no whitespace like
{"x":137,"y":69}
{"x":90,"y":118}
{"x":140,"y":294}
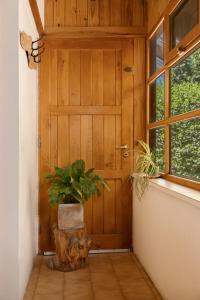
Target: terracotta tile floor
{"x":107,"y":276}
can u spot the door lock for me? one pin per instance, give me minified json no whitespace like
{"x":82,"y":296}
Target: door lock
{"x":124,"y":150}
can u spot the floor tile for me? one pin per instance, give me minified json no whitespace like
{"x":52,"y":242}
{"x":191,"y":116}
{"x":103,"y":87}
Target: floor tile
{"x":114,"y":276}
{"x":108,"y":295}
{"x":49,"y":282}
{"x":137,"y":290}
{"x":78,"y":275}
{"x":30,"y":291}
{"x":49,"y":297}
{"x":78,"y":291}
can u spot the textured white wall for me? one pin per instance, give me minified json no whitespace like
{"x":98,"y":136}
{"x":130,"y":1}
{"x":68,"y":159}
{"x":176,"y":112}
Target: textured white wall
{"x":9,"y":149}
{"x":166,"y":235}
{"x":28,"y":166}
{"x":18,"y":152}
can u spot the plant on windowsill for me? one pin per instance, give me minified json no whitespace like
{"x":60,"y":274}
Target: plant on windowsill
{"x":70,"y":188}
{"x":145,"y":169}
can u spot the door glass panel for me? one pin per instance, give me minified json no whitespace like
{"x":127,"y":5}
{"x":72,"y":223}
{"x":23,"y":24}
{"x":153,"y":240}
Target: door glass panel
{"x":156,"y":50}
{"x":157,"y":99}
{"x":182,"y":20}
{"x":157,"y":146}
{"x":185,"y":85}
{"x":185,"y":149}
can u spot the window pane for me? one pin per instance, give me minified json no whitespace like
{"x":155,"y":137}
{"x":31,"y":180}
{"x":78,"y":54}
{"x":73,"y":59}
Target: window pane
{"x":184,"y":18}
{"x":185,"y":149}
{"x":185,"y":85}
{"x":157,"y":99}
{"x":157,"y":145}
{"x":156,"y":50}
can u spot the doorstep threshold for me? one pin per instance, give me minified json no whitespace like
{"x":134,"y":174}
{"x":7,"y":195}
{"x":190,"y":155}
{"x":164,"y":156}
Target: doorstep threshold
{"x":100,"y":251}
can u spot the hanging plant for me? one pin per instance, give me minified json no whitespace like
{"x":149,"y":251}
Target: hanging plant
{"x":145,"y":169}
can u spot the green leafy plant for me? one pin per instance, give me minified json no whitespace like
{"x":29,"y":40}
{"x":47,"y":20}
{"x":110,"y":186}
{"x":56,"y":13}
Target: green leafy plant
{"x":73,"y":184}
{"x":145,"y":169}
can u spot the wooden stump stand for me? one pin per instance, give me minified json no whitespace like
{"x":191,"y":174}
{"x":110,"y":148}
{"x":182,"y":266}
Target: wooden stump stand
{"x":72,"y":248}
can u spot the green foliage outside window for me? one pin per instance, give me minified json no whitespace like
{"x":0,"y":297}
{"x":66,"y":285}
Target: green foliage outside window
{"x":157,"y":145}
{"x":157,"y":96}
{"x":185,"y":149}
{"x":185,"y":135}
{"x":185,"y":97}
{"x":185,"y":85}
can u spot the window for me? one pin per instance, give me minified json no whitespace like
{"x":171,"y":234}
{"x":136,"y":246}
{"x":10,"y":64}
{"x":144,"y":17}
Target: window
{"x":173,"y":127}
{"x":185,"y":85}
{"x":157,"y":99}
{"x":185,"y":149}
{"x":183,"y":20}
{"x":157,"y":145}
{"x":157,"y":50}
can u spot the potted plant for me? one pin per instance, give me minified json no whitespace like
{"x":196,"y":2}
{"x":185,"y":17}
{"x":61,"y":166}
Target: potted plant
{"x":70,"y":187}
{"x":145,"y":169}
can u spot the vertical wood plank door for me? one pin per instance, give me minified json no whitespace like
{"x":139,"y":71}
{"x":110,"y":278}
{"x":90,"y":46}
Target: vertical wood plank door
{"x":86,"y":112}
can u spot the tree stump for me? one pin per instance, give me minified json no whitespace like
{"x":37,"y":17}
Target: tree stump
{"x":72,"y":248}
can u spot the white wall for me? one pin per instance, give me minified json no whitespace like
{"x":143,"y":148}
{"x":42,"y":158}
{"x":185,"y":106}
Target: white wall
{"x":166,"y":239}
{"x":18,"y":152}
{"x":9,"y":149}
{"x":28,"y":172}
{"x":40,"y":4}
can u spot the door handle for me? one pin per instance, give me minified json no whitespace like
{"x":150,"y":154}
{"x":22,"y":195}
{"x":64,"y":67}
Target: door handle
{"x":125,"y":150}
{"x":123,"y":147}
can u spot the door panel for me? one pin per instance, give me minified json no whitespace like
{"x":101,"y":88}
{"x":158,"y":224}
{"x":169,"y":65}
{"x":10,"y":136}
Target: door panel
{"x":86,"y":111}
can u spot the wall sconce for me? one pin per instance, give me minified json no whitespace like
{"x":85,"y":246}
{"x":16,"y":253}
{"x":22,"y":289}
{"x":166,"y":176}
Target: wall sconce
{"x":33,"y":49}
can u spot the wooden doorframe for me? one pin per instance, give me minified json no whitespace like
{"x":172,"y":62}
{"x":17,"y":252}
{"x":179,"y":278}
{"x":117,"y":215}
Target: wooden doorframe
{"x":37,"y":18}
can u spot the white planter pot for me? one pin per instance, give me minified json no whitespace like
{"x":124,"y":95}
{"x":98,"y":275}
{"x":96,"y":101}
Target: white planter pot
{"x":70,"y":216}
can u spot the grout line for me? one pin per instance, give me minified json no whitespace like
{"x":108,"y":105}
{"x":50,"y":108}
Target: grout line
{"x":38,"y":275}
{"x":40,"y":260}
{"x":91,"y":283}
{"x":146,"y":277}
{"x":117,"y":277}
{"x":64,"y":283}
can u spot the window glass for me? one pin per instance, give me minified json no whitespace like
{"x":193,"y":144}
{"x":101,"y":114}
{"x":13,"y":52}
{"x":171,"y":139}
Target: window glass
{"x":185,"y":85}
{"x":183,"y":19}
{"x":157,"y":145}
{"x":185,"y":149}
{"x":156,"y":50}
{"x":157,"y":99}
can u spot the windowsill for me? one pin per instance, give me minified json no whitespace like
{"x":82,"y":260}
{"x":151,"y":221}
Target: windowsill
{"x":186,"y":194}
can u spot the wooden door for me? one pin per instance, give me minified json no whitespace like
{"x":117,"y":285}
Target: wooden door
{"x":86,"y":111}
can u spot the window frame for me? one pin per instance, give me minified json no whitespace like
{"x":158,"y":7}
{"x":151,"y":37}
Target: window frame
{"x":186,"y":41}
{"x":171,"y":58}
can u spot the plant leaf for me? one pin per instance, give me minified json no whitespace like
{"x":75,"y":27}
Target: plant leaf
{"x":72,"y":184}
